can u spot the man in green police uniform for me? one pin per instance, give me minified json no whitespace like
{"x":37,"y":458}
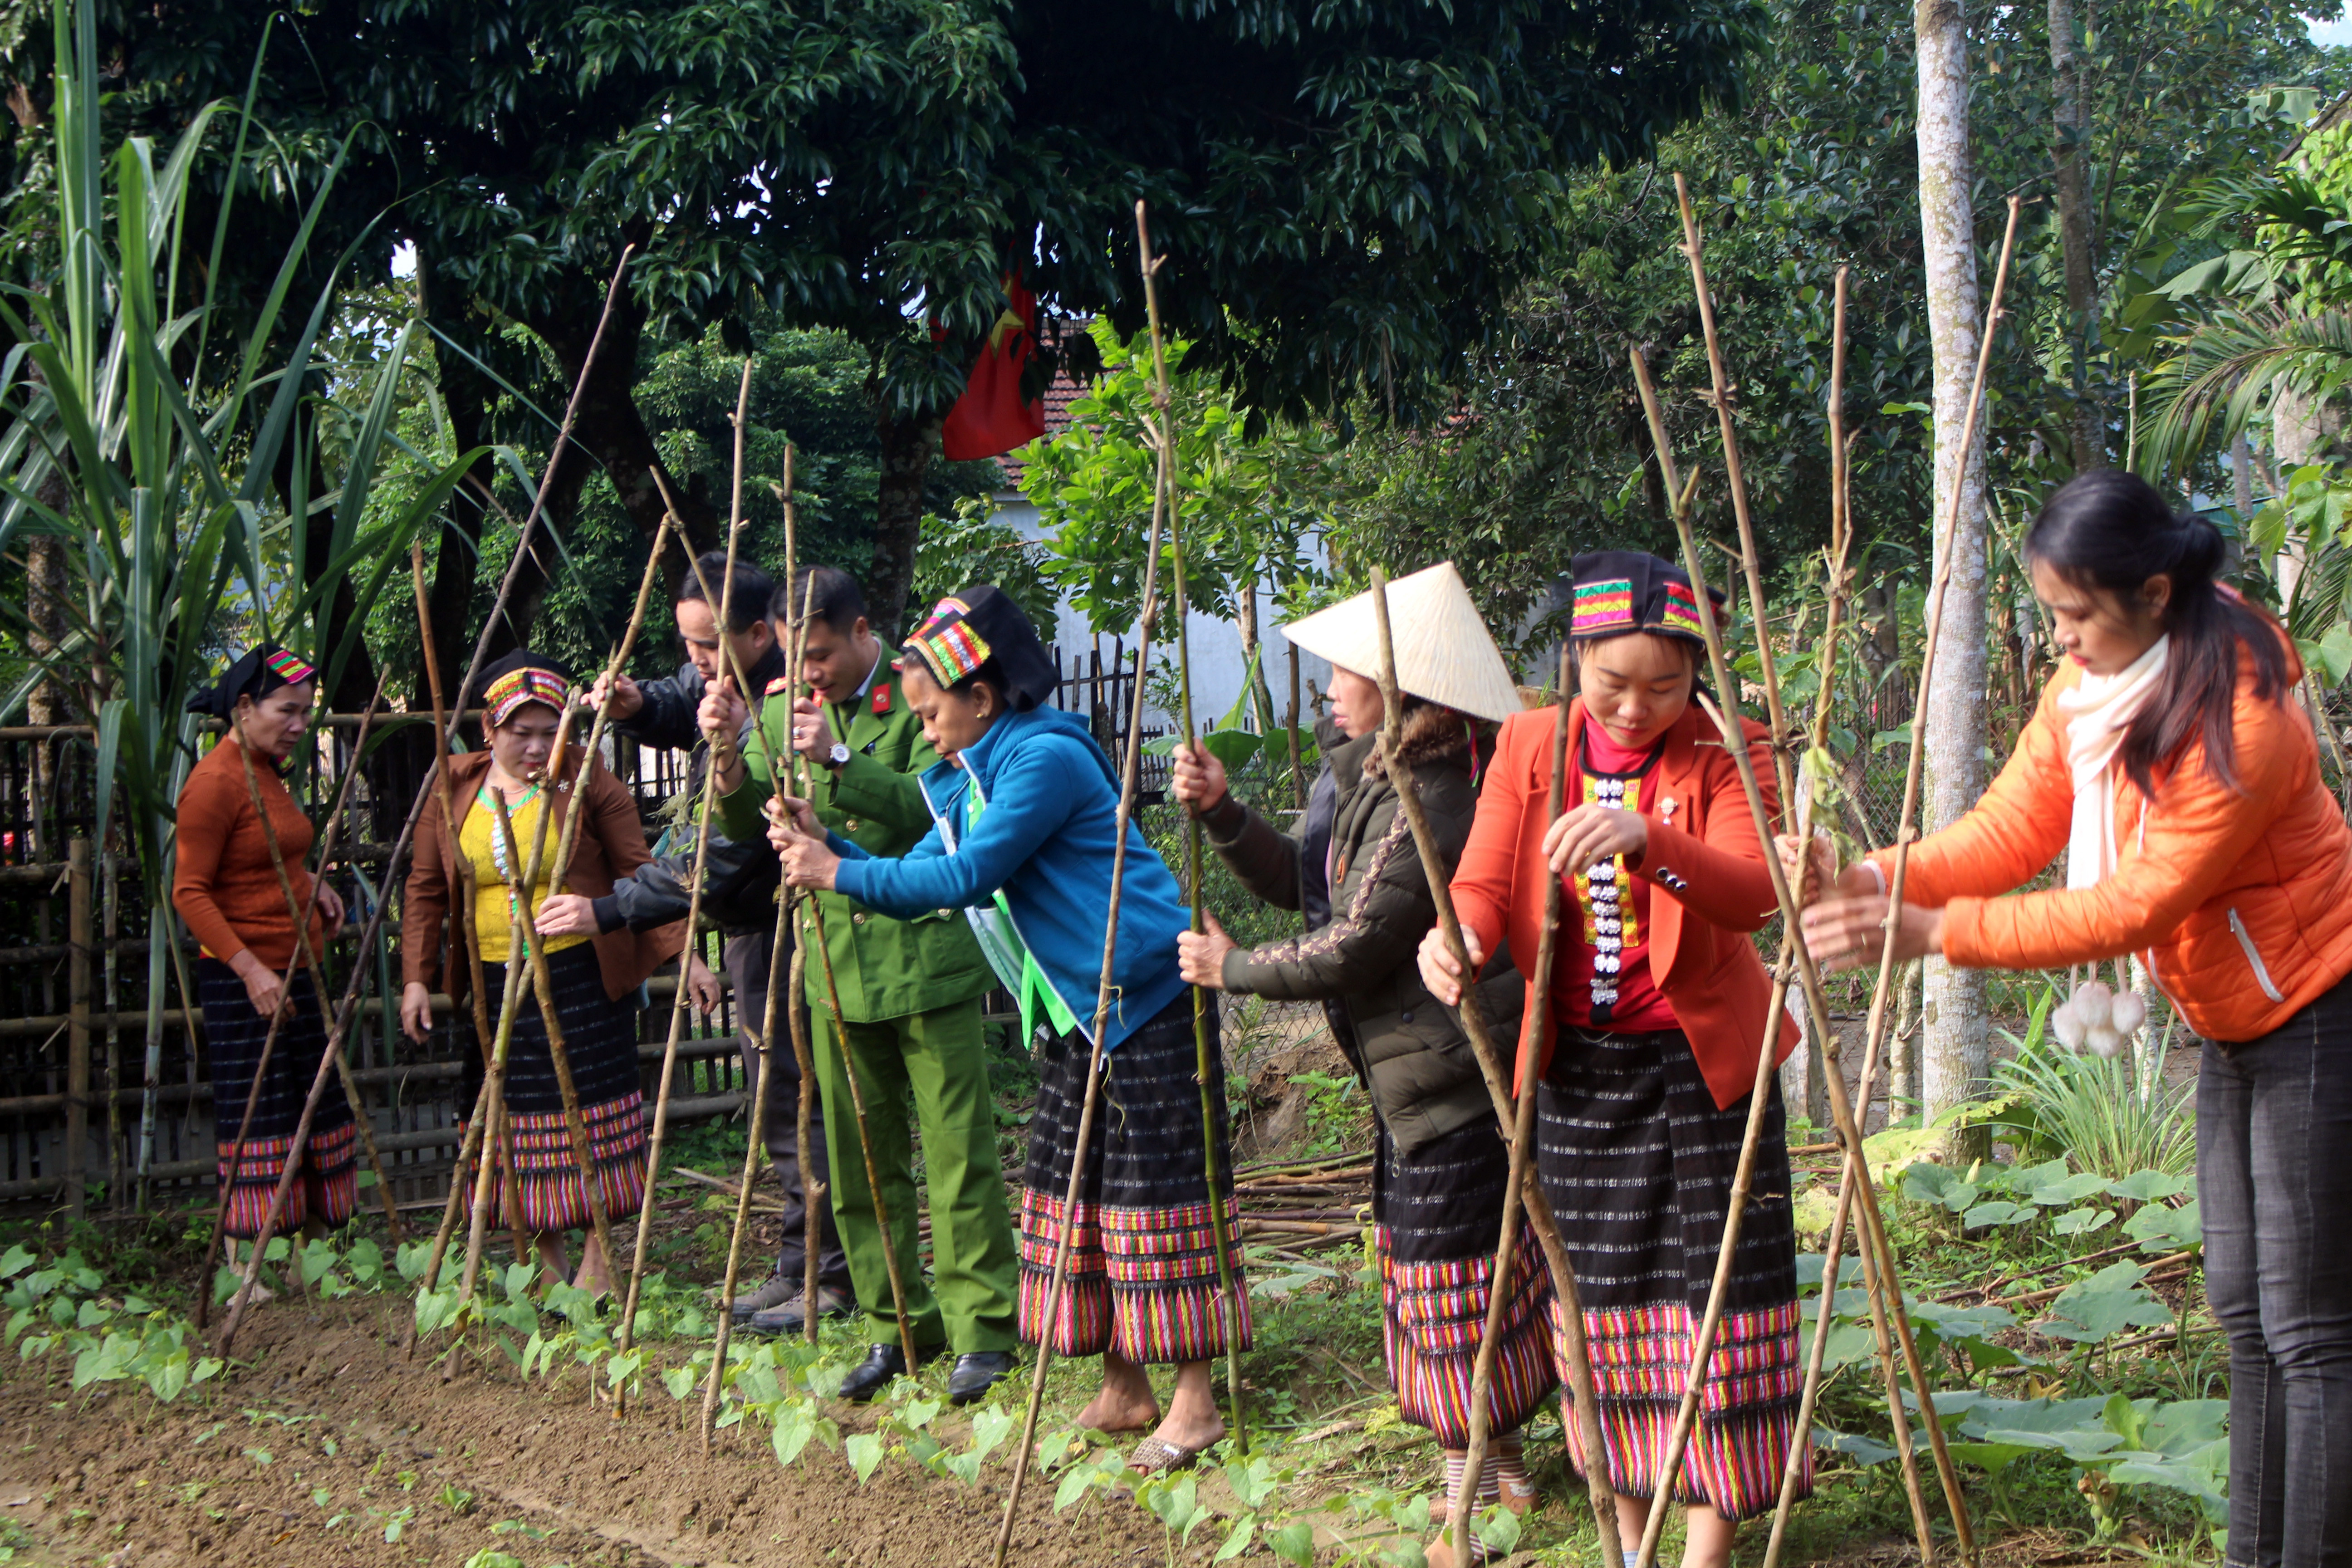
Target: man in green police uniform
{"x":910,"y":997}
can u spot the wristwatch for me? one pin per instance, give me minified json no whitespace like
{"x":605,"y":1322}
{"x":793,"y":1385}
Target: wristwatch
{"x":837,"y":758}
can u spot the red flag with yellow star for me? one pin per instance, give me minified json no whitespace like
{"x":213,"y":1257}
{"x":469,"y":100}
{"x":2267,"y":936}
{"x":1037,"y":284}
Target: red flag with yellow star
{"x":992,"y":417}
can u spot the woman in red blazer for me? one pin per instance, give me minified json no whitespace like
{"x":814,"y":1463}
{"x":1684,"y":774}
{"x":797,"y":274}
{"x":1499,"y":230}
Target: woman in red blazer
{"x":1658,"y":1004}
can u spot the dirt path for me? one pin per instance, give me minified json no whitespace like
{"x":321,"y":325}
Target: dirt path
{"x":330,"y":1449}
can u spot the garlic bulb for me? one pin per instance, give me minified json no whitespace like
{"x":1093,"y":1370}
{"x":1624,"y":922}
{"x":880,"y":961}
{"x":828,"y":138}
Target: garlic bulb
{"x":2098,"y":1019}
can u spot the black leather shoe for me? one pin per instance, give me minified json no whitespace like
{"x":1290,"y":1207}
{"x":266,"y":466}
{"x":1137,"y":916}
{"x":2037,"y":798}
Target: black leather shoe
{"x":975,"y":1372}
{"x":873,"y":1375}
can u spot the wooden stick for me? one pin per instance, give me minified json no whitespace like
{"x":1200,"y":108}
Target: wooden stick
{"x":1855,"y":1177}
{"x":592,"y":1178}
{"x":628,"y":1334}
{"x":463,"y":918}
{"x":1228,"y":1309}
{"x":1500,"y":1088}
{"x":269,"y":1041}
{"x":494,"y":1110}
{"x":756,"y":701}
{"x":1461,"y":1518}
{"x":757,"y":1142}
{"x":1840,"y":1106}
{"x":814,"y":1194}
{"x":1742,"y":1182}
{"x":1736,"y":478}
{"x":299,"y":911}
{"x":351,"y":992}
{"x":1131,"y":776}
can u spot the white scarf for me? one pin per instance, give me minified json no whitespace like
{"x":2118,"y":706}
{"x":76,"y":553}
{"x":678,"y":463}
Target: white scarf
{"x":2097,"y":711}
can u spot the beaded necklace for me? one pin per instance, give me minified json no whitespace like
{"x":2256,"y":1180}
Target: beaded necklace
{"x":1605,"y":891}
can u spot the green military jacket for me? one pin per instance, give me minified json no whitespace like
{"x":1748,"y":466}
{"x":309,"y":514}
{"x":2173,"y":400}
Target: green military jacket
{"x":884,"y":968}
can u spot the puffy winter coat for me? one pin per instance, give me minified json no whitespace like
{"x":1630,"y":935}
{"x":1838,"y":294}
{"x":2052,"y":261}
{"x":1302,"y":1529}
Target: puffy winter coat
{"x":2240,"y":899}
{"x":1709,"y":888}
{"x":1423,"y":1070}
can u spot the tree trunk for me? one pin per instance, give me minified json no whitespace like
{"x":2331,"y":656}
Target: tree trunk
{"x":610,"y":433}
{"x":907,"y":448}
{"x":2071,"y":129}
{"x":1954,"y":1039}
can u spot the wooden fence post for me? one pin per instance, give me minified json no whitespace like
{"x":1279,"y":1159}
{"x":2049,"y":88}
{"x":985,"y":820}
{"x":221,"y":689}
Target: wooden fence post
{"x":77,"y":937}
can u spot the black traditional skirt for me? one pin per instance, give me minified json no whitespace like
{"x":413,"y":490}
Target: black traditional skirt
{"x":1638,"y":1162}
{"x":1437,"y":1213}
{"x":600,"y":1041}
{"x":1143,"y":1255}
{"x":328,"y":1189}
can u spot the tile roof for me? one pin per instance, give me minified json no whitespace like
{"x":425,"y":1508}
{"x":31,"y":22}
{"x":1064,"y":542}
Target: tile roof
{"x":1060,"y":393}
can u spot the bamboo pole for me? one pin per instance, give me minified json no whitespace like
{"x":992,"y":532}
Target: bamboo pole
{"x":1227,"y":1307}
{"x":1891,"y":1309}
{"x":77,"y":937}
{"x":351,"y":992}
{"x":462,"y":917}
{"x":815,"y":1194}
{"x":1131,"y":776}
{"x":1736,"y":478}
{"x":269,"y":1041}
{"x":660,"y":1135}
{"x":299,"y":911}
{"x":591,"y":1179}
{"x":754,"y":1144}
{"x":1461,"y":1516}
{"x":756,"y":701}
{"x":493,"y":1114}
{"x":1742,"y":1180}
{"x":1854,"y":1177}
{"x":1501,"y":1088}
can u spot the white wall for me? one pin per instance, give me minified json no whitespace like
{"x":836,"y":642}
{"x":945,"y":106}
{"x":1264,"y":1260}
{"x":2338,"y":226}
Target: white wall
{"x":1217,"y":661}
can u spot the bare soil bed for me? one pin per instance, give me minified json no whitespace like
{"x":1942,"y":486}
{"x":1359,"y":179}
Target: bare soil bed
{"x":330,"y":1447}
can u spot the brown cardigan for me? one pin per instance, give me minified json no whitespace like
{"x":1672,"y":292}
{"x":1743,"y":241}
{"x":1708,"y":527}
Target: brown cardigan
{"x":612,"y":844}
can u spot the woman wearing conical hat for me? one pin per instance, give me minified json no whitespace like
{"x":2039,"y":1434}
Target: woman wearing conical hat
{"x":1659,"y":1004}
{"x":1353,"y":870}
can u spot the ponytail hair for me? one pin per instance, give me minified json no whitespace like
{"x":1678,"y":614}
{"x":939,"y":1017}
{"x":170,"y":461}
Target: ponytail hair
{"x":2108,"y":530}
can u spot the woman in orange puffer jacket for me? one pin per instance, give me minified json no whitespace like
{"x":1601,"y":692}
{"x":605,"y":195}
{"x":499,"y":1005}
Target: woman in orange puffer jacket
{"x":2165,"y":760}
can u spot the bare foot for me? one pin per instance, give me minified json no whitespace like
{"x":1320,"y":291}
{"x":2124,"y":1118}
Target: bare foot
{"x":1118,"y":1410}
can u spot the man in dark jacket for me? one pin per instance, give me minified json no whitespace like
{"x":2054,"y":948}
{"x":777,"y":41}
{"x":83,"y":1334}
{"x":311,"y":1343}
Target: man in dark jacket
{"x":738,"y":888}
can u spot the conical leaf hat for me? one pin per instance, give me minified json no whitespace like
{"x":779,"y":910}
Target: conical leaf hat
{"x":1443,"y":652}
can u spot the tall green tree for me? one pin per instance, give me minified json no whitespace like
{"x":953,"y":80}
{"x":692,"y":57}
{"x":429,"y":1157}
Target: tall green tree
{"x":1347,"y":195}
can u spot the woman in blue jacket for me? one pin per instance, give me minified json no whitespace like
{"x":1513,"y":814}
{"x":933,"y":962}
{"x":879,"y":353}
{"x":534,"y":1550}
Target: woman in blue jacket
{"x":1025,"y":811}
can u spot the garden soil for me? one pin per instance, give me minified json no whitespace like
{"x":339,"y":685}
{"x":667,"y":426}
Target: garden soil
{"x":332,"y":1448}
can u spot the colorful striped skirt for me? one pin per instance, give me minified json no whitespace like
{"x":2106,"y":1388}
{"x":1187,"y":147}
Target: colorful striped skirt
{"x":328,"y":1188}
{"x":1143,"y":1255}
{"x":1438,"y":1213}
{"x":600,"y":1041}
{"x":1638,"y":1162}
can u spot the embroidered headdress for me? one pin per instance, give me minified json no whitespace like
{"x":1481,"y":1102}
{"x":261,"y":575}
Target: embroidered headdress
{"x":1613,"y":592}
{"x":516,"y":681}
{"x":262,"y":671}
{"x":976,"y":629}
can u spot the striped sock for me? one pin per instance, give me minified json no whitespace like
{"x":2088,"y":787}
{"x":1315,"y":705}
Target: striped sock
{"x":1507,"y":1469}
{"x":1632,"y":1557}
{"x":1490,"y":1490}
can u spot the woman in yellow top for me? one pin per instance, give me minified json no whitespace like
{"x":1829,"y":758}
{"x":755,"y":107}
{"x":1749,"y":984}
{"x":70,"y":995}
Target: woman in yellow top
{"x":594,"y":980}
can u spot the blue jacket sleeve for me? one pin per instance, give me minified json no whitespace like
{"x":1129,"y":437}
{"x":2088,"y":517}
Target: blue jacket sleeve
{"x":1030,"y":803}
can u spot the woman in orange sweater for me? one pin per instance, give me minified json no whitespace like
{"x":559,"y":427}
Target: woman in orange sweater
{"x":226,"y":888}
{"x":2165,"y":760}
{"x":1658,"y":1006}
